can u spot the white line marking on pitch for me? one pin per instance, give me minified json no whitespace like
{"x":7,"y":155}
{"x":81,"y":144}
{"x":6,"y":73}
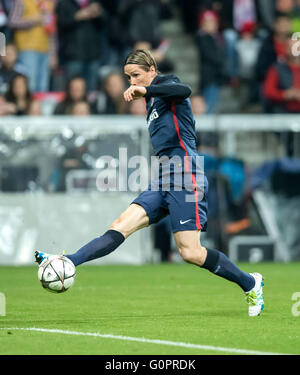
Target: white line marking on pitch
{"x":148,"y":341}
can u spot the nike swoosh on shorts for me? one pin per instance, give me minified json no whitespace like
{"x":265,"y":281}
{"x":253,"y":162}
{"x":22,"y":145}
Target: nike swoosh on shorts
{"x":186,"y":221}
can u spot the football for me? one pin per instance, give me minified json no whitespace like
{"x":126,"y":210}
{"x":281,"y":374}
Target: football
{"x":57,"y":274}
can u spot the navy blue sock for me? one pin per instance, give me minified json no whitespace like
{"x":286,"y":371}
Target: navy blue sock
{"x":98,"y":247}
{"x":219,"y":264}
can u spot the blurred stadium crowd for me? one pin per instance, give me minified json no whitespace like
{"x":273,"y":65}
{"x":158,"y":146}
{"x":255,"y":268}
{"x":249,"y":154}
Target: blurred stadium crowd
{"x":65,"y":57}
{"x":69,"y":53}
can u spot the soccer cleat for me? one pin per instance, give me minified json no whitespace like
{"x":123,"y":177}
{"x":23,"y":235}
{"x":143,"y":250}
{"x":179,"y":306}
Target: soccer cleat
{"x":254,"y":297}
{"x":40,"y":257}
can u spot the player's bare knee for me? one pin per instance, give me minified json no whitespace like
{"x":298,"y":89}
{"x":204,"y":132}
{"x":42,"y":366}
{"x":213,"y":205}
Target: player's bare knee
{"x":194,"y":256}
{"x":187,"y":255}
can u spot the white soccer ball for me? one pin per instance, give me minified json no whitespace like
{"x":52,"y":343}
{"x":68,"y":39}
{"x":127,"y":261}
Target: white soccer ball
{"x":57,"y":274}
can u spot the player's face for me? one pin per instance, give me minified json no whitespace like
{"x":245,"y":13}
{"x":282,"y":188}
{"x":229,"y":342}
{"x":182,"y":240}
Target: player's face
{"x":137,"y":76}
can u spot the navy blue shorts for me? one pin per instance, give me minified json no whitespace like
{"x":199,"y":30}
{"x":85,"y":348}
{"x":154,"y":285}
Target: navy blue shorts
{"x":187,"y":208}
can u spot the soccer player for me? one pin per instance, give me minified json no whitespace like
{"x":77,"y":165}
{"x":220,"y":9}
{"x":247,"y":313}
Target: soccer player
{"x":172,"y":131}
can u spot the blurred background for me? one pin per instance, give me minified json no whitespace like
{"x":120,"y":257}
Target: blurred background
{"x":61,"y":108}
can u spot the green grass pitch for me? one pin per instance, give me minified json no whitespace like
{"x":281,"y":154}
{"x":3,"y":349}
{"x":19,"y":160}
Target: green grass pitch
{"x":171,"y":302}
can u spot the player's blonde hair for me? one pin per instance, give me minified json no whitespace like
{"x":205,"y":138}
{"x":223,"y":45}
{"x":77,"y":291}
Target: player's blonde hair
{"x":143,"y":58}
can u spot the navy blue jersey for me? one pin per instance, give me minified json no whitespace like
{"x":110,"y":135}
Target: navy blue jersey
{"x":170,"y":119}
{"x":172,"y":131}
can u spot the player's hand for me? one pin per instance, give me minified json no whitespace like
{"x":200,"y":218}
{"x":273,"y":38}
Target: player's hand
{"x":134,"y":92}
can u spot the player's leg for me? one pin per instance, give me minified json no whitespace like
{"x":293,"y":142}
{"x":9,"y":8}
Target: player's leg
{"x":188,"y":219}
{"x":191,"y":250}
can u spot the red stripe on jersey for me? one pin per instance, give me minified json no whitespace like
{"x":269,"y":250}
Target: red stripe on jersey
{"x":186,"y":165}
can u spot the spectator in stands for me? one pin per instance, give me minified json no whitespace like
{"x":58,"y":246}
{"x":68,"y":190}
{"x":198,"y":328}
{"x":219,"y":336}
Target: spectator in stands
{"x":80,"y":24}
{"x":248,"y":47}
{"x":212,"y":59}
{"x":9,"y":67}
{"x":282,"y":84}
{"x":233,"y":15}
{"x":75,"y":92}
{"x":273,"y":48}
{"x":19,"y":96}
{"x":32,"y":24}
{"x":141,"y":19}
{"x":81,"y":108}
{"x":110,"y":99}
